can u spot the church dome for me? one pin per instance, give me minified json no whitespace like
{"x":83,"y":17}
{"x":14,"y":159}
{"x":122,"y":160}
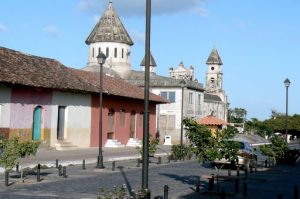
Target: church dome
{"x":109,"y":29}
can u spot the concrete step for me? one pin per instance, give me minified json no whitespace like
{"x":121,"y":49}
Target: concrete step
{"x":113,"y":144}
{"x":63,"y":145}
{"x":134,"y":142}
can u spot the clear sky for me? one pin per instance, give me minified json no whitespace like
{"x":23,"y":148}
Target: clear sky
{"x":258,"y":40}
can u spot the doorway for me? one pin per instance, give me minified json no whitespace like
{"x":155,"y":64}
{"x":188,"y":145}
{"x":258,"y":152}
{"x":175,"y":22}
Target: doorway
{"x":37,"y":123}
{"x":61,"y":123}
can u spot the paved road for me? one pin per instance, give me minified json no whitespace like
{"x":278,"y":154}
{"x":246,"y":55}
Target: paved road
{"x":181,"y":178}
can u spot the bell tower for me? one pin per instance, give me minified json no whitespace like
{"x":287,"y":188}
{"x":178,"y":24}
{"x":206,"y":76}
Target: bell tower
{"x":214,"y":74}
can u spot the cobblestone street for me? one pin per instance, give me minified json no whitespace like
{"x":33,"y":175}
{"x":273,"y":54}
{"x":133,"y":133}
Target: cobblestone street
{"x":181,"y":177}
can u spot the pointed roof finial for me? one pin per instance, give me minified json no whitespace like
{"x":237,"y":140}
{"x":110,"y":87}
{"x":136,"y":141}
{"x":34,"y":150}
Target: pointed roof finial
{"x":152,"y":61}
{"x":109,"y":29}
{"x":110,"y":4}
{"x":214,"y":57}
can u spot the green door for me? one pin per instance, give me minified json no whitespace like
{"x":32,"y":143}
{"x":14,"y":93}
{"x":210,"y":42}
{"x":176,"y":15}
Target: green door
{"x":37,"y":121}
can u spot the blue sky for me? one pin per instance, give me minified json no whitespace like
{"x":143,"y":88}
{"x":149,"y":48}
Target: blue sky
{"x":258,"y":41}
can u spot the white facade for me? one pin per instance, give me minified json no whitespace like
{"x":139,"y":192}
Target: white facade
{"x":215,"y":108}
{"x":77,"y":121}
{"x":117,"y":55}
{"x":214,"y":78}
{"x":169,"y":115}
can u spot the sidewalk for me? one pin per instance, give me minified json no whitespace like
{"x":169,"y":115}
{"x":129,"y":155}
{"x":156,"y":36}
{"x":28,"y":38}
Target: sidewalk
{"x":48,"y":156}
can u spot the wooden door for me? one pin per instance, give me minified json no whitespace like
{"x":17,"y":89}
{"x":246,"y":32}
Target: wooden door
{"x":61,"y":122}
{"x":37,"y":123}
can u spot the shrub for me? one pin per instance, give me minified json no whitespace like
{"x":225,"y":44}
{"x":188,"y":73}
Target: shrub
{"x":153,"y":145}
{"x":13,"y":151}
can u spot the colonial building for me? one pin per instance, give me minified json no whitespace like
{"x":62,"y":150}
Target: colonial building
{"x":110,"y":36}
{"x":43,"y":100}
{"x":215,"y":99}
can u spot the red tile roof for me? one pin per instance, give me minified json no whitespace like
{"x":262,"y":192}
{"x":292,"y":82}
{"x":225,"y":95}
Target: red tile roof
{"x":211,"y":121}
{"x":17,"y":68}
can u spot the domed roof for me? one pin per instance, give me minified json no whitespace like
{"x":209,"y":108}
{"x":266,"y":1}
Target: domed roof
{"x":109,"y":29}
{"x":214,"y":58}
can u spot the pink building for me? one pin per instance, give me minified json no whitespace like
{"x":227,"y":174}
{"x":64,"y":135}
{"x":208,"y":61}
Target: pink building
{"x":43,"y":100}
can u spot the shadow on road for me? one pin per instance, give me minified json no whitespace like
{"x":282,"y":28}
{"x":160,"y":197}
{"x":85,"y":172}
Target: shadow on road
{"x":128,"y":185}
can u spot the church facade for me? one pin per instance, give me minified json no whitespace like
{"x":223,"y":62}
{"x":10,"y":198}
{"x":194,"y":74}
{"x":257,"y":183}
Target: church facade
{"x":187,"y":97}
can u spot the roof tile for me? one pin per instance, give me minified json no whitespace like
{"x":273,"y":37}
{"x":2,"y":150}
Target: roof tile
{"x":17,"y":68}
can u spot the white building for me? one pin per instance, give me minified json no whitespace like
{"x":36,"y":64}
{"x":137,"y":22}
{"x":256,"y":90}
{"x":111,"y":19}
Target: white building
{"x":110,"y":36}
{"x":215,"y":99}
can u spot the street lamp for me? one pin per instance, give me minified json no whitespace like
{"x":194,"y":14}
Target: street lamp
{"x":287,"y":84}
{"x":182,"y":85}
{"x":101,"y":60}
{"x":145,"y":166}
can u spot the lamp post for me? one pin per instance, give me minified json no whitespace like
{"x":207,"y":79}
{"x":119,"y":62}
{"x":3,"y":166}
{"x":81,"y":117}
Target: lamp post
{"x":182,"y":85}
{"x":145,"y":165}
{"x":101,"y":60}
{"x":287,"y":84}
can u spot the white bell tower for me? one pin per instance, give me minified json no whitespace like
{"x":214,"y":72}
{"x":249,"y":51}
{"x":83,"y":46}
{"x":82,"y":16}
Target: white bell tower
{"x":214,"y":74}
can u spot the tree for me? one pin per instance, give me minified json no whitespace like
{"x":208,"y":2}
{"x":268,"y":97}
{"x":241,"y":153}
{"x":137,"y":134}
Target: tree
{"x":258,"y":127}
{"x":276,"y":149}
{"x":208,"y":147}
{"x":237,"y":115}
{"x":13,"y":151}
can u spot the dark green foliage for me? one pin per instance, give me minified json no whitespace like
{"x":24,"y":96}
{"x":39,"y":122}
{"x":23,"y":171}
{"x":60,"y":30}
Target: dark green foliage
{"x":208,"y":147}
{"x":153,"y":145}
{"x":237,"y":115}
{"x":201,"y":139}
{"x":277,"y":149}
{"x":259,"y":127}
{"x":187,"y":152}
{"x":278,"y":124}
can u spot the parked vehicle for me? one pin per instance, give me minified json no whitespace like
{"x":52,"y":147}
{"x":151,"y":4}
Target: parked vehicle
{"x":245,"y":157}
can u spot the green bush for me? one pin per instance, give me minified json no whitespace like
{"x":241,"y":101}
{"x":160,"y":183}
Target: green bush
{"x":153,"y":145}
{"x":13,"y":151}
{"x":115,"y":193}
{"x":276,"y":149}
{"x":176,"y":154}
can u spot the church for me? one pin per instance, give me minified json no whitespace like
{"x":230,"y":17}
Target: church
{"x":187,"y":97}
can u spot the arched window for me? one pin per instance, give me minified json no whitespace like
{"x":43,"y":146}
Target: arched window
{"x":122,"y":117}
{"x":122,"y":53}
{"x":111,"y":123}
{"x":107,"y":52}
{"x":93,"y":52}
{"x":116,"y":52}
{"x":99,"y":50}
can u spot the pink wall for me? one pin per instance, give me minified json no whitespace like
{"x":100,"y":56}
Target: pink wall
{"x":118,"y":103}
{"x":24,"y":101}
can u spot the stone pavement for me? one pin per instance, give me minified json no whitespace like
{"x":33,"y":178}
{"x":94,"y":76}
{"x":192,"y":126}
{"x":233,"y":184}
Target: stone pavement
{"x":180,"y":176}
{"x":48,"y":156}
